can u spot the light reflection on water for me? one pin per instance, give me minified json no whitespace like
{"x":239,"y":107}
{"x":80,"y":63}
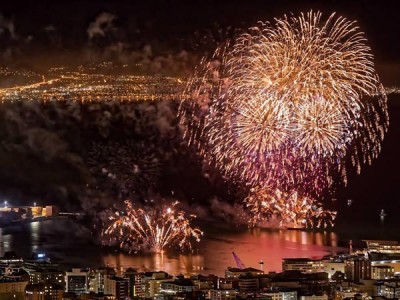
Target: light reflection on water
{"x":35,"y":235}
{"x":72,"y":244}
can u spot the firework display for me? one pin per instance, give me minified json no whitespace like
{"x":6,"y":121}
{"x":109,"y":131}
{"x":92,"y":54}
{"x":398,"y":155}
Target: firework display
{"x":151,"y":229}
{"x":288,"y":106}
{"x":287,"y":209}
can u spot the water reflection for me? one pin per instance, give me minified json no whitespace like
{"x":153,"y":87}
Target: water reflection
{"x":175,"y":264}
{"x":34,"y":236}
{"x":306,"y":237}
{"x":253,"y":246}
{"x":72,"y":244}
{"x":5,"y":241}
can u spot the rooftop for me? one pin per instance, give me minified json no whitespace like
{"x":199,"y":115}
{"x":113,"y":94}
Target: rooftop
{"x":301,"y":259}
{"x":245,"y":270}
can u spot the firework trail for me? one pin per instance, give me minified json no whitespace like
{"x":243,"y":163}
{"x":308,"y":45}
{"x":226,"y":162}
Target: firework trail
{"x":151,"y":229}
{"x":125,"y":167}
{"x":392,"y":90}
{"x":289,"y":209}
{"x":289,"y":106}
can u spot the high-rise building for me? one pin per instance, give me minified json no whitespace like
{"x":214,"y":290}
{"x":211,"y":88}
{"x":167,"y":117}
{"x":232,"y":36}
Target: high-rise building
{"x":76,"y":281}
{"x":131,"y":275}
{"x":357,"y":269}
{"x":117,"y":287}
{"x":96,"y":279}
{"x":152,"y":283}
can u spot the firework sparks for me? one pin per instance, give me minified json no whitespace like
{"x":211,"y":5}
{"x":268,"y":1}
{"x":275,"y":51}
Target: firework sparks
{"x":288,"y":105}
{"x":289,"y":209}
{"x":151,"y":229}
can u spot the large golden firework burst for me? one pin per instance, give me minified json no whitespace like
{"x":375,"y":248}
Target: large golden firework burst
{"x":288,"y":105}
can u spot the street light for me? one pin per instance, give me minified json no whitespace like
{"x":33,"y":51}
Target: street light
{"x":34,"y":204}
{"x":5,"y":203}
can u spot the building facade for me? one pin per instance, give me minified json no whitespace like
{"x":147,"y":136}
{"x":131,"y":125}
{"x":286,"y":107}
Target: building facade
{"x":117,"y":287}
{"x":76,"y":281}
{"x":305,"y":265}
{"x":44,"y":292}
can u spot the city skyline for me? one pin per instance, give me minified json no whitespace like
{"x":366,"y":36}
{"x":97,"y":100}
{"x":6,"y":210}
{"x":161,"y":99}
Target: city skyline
{"x":184,"y":149}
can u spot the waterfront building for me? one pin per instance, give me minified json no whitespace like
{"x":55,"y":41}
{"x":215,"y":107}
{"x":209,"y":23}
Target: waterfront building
{"x":51,"y":211}
{"x":305,"y":265}
{"x":384,"y":253}
{"x":76,"y":281}
{"x":380,"y":246}
{"x":117,"y":287}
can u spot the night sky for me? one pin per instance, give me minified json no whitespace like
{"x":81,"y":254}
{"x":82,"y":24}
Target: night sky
{"x":37,"y":35}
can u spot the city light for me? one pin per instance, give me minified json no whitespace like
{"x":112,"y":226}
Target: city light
{"x":79,"y":86}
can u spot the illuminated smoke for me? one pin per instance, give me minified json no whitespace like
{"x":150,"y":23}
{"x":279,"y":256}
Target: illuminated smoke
{"x":125,"y":167}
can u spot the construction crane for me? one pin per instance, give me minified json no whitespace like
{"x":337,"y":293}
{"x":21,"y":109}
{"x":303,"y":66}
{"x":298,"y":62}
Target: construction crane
{"x":239,"y":263}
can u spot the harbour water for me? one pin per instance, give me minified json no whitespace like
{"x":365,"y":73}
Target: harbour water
{"x":72,"y":244}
